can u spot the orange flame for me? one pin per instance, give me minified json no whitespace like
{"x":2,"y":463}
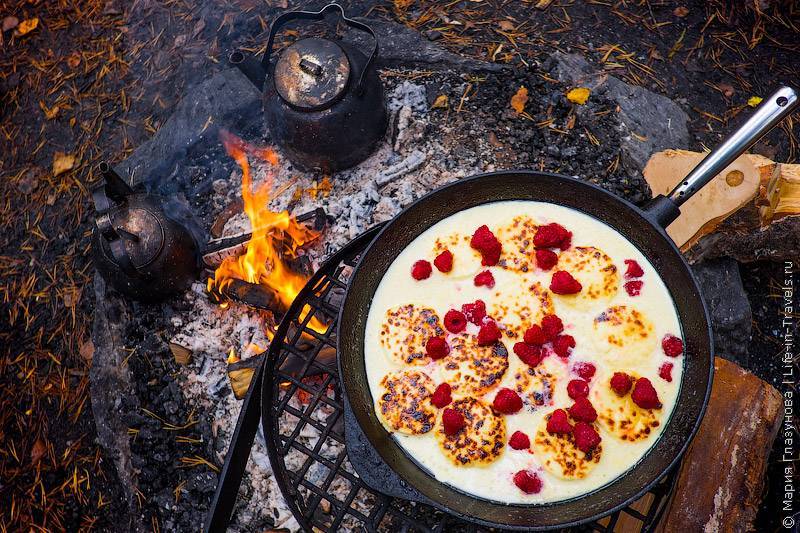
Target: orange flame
{"x":272,"y":232}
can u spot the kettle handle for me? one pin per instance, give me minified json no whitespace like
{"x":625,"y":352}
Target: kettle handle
{"x":109,"y":194}
{"x":320,"y":15}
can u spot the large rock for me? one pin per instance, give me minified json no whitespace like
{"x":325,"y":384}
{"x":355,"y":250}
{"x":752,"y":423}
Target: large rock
{"x":651,"y":122}
{"x":228,"y":98}
{"x":728,"y":306}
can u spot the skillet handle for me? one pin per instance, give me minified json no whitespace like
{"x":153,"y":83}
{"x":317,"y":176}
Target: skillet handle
{"x":665,"y":209}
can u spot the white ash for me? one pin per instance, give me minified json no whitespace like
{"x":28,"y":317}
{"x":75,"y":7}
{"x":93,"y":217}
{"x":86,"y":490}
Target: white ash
{"x":410,"y":163}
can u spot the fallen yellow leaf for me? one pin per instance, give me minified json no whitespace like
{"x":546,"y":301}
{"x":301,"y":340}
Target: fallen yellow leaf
{"x":753,"y":101}
{"x":519,"y":100}
{"x":62,"y":162}
{"x":26,"y":26}
{"x":578,"y":95}
{"x":441,"y":102}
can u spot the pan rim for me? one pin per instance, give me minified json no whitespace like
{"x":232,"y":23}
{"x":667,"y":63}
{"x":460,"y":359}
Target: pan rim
{"x":633,"y":209}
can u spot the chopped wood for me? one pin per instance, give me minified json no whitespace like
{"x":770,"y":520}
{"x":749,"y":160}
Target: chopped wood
{"x":182,"y":354}
{"x":241,"y":372}
{"x":720,"y":483}
{"x":749,"y":211}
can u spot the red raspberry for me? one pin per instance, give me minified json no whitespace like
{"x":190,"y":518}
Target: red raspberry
{"x":487,"y":244}
{"x":453,"y":421}
{"x":552,"y":326}
{"x":530,"y":355}
{"x":644,"y":394}
{"x":558,"y":423}
{"x":563,"y":283}
{"x":535,"y":335}
{"x":586,"y":437}
{"x":621,"y":383}
{"x":421,"y":270}
{"x":546,"y":259}
{"x":475,"y":312}
{"x":672,"y":345}
{"x":634,"y":270}
{"x":489,"y":334}
{"x":485,"y":278}
{"x":584,"y":370}
{"x":577,"y":388}
{"x":455,"y":321}
{"x":563,"y":345}
{"x":583,"y":410}
{"x":436,"y":348}
{"x":527,"y":482}
{"x":665,"y":371}
{"x":633,"y":288}
{"x":444,"y":261}
{"x":519,"y":441}
{"x":507,"y":401}
{"x":552,"y":236}
{"x":441,"y":396}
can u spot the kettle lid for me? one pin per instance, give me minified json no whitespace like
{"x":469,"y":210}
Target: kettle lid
{"x":312,"y":74}
{"x":137,"y":229}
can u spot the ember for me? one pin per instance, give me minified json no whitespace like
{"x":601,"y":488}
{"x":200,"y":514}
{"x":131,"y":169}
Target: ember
{"x":275,"y":238}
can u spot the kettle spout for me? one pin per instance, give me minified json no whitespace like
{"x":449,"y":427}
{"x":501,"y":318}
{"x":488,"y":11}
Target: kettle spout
{"x":250,"y":67}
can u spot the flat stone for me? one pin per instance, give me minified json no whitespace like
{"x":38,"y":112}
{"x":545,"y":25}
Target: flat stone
{"x":728,"y":306}
{"x":658,"y":122}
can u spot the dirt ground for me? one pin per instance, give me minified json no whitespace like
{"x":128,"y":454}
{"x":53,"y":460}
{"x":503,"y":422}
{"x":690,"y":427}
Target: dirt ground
{"x":91,"y":80}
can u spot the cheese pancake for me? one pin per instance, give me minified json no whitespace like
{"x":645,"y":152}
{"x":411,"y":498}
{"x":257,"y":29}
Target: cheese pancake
{"x":471,"y":369}
{"x":481,"y":441}
{"x":404,"y":404}
{"x":406,"y":330}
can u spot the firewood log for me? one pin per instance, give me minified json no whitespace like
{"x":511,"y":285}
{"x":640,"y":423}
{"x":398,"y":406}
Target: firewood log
{"x":720,"y":483}
{"x":750,"y":211}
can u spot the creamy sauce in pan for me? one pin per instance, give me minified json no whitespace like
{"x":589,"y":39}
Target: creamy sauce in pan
{"x":612,"y":330}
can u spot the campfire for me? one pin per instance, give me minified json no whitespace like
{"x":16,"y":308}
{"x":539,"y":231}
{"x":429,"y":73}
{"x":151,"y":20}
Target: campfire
{"x":266,"y":271}
{"x":275,"y":238}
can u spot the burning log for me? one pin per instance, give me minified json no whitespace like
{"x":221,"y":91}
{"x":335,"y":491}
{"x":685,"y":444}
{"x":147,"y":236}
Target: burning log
{"x":749,"y":211}
{"x":250,"y":294}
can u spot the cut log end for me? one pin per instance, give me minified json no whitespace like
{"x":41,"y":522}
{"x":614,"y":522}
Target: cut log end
{"x":737,"y":210}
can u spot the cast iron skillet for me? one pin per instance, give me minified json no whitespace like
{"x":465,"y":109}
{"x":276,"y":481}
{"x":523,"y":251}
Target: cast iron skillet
{"x":645,"y":229}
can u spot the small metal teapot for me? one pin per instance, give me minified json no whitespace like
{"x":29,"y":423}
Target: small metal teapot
{"x":136,"y":246}
{"x":323,"y":101}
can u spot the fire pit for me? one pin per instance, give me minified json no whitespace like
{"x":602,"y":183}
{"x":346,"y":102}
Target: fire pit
{"x":278,"y":255}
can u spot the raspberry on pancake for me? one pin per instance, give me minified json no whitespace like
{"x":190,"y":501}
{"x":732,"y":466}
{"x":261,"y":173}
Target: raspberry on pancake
{"x":406,"y":331}
{"x":596,"y":273}
{"x":560,"y":455}
{"x":481,"y":440}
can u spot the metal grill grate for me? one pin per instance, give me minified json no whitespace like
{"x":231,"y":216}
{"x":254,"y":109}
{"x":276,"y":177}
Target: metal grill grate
{"x":303,"y":420}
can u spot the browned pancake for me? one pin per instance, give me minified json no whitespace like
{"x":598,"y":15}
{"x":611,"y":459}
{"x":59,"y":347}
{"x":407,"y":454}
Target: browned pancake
{"x":517,"y":240}
{"x":536,"y":386}
{"x":621,"y":417}
{"x":471,"y":369}
{"x":520,"y":309}
{"x":559,"y":455}
{"x":480,"y":442}
{"x":406,"y":330}
{"x":404,"y":404}
{"x":596,"y":272}
{"x":624,"y":335}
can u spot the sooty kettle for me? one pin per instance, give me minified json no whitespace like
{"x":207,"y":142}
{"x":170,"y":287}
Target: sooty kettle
{"x":138,"y":248}
{"x":324,"y":103}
